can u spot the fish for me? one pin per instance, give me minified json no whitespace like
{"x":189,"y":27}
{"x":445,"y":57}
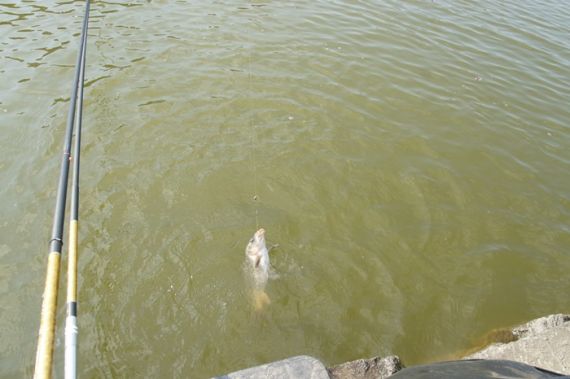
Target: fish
{"x":258,"y":267}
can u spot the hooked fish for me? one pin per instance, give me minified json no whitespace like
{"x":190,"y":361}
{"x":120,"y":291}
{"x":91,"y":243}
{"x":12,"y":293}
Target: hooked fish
{"x":257,"y":262}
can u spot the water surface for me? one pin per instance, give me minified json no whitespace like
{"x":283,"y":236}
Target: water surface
{"x":410,"y":158}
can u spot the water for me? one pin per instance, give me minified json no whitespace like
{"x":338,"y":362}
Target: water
{"x":410,"y":158}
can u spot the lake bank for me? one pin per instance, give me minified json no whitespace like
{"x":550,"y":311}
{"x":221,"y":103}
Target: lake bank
{"x":543,"y":343}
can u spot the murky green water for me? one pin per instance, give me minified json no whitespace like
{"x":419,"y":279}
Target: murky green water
{"x":410,"y":158}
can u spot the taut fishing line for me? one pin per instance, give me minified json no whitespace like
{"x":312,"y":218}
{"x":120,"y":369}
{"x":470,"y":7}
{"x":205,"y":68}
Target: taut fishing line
{"x":253,"y":140}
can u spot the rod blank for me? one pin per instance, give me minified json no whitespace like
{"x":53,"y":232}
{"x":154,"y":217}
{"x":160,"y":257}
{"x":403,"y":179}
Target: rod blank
{"x":71,"y":329}
{"x":44,"y":353}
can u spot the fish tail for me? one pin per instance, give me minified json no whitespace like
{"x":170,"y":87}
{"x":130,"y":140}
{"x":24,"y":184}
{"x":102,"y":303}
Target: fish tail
{"x":260,"y":300}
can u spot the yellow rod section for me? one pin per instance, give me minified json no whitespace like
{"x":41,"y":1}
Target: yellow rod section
{"x":44,"y":355}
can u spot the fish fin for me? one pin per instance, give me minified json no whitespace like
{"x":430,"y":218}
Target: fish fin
{"x":260,"y":300}
{"x":257,"y":261}
{"x":272,"y":247}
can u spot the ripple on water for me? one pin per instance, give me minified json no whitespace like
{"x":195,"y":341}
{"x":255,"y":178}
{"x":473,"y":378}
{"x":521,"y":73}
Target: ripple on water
{"x":406,"y":157}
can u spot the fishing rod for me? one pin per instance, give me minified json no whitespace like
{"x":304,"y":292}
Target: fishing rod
{"x":44,"y":352}
{"x":71,"y":329}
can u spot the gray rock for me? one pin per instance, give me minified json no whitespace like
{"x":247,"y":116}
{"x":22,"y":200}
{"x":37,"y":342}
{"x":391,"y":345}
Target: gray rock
{"x":373,"y":368}
{"x":544,"y":342}
{"x":301,"y":367}
{"x":540,"y":325}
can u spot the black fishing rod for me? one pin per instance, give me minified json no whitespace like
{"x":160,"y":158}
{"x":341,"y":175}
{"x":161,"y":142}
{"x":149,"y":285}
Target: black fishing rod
{"x":44,"y":353}
{"x":71,"y":329}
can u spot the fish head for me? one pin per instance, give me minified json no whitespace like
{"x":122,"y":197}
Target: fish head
{"x":260,"y":236}
{"x":256,"y":243}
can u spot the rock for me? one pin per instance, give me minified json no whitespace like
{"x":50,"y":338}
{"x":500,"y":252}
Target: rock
{"x":373,"y":368}
{"x":540,"y":325}
{"x":544,"y":343}
{"x":301,"y":367}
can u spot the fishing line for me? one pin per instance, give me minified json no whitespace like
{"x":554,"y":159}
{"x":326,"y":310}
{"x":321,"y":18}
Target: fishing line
{"x":253,"y":141}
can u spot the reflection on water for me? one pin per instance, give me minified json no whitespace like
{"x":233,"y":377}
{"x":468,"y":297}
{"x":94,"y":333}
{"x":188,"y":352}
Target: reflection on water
{"x":409,"y":158}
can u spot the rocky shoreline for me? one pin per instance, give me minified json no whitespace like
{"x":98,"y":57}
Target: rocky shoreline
{"x":543,"y":343}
